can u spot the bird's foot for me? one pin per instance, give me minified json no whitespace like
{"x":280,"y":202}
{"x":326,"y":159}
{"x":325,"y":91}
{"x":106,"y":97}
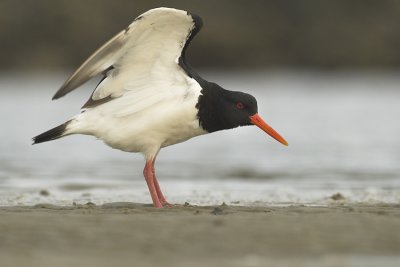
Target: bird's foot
{"x":157,"y":205}
{"x":165,"y":204}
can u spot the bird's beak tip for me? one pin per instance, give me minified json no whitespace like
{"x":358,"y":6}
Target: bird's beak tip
{"x":260,"y":123}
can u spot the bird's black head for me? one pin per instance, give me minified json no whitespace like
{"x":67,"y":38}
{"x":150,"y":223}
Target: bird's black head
{"x":237,"y":108}
{"x":221,"y":109}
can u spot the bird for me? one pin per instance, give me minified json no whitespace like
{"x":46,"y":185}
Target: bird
{"x":149,"y":97}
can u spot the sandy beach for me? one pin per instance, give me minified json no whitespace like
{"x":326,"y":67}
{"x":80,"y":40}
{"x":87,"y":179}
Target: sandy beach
{"x":129,"y":234}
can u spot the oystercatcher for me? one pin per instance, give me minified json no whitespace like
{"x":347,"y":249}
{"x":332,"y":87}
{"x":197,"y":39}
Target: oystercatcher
{"x":149,"y":97}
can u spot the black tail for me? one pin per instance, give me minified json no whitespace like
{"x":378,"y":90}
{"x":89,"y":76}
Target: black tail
{"x":52,"y":134}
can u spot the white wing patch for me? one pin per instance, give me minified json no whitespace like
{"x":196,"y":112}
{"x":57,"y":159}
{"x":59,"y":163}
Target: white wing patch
{"x":144,"y":58}
{"x":148,"y":92}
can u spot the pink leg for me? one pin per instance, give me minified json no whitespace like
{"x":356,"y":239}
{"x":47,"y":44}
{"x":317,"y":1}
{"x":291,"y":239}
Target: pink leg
{"x":148,"y":173}
{"x":161,"y":197}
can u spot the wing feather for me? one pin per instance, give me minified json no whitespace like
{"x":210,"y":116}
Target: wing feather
{"x":97,"y":63}
{"x":147,"y":52}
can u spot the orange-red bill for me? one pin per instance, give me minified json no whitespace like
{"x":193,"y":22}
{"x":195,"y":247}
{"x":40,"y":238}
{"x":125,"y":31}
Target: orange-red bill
{"x":256,"y":120}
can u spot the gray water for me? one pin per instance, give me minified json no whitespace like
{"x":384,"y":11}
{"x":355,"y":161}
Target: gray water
{"x":343,"y":131}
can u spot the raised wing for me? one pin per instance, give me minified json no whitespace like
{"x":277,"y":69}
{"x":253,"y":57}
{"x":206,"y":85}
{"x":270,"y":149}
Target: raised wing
{"x":148,"y":50}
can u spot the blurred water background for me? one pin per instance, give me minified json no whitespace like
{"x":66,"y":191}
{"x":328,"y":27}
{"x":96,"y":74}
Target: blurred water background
{"x":326,"y":76}
{"x":342,"y":129}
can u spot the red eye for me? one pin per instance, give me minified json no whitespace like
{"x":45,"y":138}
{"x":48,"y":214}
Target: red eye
{"x":239,"y":105}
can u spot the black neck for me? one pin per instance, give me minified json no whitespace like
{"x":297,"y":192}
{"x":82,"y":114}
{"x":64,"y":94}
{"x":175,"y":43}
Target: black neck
{"x":215,"y":103}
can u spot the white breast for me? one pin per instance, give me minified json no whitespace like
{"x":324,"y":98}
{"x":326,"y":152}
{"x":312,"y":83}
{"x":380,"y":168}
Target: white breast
{"x":172,"y":119}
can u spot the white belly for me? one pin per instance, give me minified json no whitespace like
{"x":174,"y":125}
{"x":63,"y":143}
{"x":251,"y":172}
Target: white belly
{"x":146,"y":131}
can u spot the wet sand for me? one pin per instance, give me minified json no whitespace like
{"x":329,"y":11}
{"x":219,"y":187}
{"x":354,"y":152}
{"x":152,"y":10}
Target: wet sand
{"x":128,"y":234}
